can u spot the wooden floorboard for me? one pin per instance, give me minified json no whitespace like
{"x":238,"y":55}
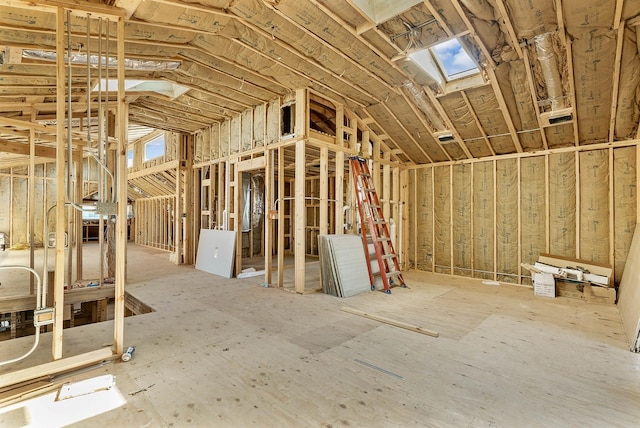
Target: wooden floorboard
{"x":226,"y":352}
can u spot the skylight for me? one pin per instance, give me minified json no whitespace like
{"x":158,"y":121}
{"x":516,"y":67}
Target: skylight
{"x":163,"y":87}
{"x":446,"y":61}
{"x":455,"y":61}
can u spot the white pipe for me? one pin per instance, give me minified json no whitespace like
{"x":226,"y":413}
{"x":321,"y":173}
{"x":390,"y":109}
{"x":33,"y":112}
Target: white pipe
{"x":38,"y":306}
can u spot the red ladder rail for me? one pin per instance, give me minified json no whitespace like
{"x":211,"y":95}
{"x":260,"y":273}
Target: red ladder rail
{"x":372,"y":221}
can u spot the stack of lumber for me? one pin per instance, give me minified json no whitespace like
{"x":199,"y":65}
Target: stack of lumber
{"x":343,"y":266}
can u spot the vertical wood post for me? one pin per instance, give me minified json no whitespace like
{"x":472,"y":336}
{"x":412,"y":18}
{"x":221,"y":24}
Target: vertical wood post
{"x":58,"y":288}
{"x":300,"y":216}
{"x":121,"y":224}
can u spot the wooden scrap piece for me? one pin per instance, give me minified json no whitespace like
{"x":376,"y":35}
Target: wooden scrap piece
{"x":390,"y":321}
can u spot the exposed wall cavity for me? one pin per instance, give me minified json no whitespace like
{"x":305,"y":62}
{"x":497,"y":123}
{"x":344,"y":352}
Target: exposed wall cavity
{"x":507,"y":211}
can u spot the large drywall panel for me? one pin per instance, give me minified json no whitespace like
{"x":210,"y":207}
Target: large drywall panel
{"x":629,"y":295}
{"x":216,"y":252}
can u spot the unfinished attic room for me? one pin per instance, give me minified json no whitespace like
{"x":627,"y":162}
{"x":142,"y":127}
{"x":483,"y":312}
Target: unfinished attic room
{"x":319,"y":213}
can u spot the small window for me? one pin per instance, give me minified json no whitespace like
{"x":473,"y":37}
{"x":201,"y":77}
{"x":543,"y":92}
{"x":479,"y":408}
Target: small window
{"x":154,"y":148}
{"x":129,"y":158}
{"x":446,"y":61}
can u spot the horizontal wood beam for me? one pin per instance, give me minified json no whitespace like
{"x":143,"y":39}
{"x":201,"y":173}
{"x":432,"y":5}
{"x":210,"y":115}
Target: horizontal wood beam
{"x":53,"y":367}
{"x":40,"y":151}
{"x":153,"y":170}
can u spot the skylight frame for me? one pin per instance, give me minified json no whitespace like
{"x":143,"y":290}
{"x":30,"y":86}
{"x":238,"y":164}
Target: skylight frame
{"x":430,"y":60}
{"x":162,"y":87}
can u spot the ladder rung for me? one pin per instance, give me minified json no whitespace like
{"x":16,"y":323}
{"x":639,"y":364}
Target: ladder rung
{"x":394,"y":273}
{"x":383,"y":239}
{"x":364,"y":174}
{"x":379,"y":222}
{"x":389,"y":256}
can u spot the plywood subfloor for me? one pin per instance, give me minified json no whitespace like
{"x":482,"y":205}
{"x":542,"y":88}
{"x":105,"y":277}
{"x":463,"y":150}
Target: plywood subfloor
{"x":226,"y":352}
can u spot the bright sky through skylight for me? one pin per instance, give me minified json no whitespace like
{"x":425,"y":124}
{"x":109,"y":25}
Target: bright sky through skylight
{"x":454,"y":59}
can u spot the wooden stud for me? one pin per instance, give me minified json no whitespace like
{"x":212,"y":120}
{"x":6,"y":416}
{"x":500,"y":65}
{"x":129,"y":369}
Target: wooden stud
{"x":324,"y":191}
{"x":386,"y":191}
{"x":58,"y":290}
{"x":237,"y":213}
{"x":451,"y":198}
{"x":503,"y":108}
{"x":485,"y":52}
{"x":519,"y":163}
{"x":188,"y":202}
{"x":637,"y":185}
{"x":438,"y":17}
{"x":339,"y":192}
{"x":616,"y":77}
{"x":403,"y":205}
{"x":534,"y":97}
{"x":495,"y":220}
{"x":395,"y":209}
{"x":281,"y":216}
{"x":268,"y":207}
{"x":300,"y":217}
{"x":433,"y":218}
{"x":547,"y":205}
{"x":509,"y":24}
{"x":78,"y":215}
{"x":471,"y":214}
{"x":31,"y":206}
{"x":612,"y":211}
{"x":121,"y":197}
{"x":578,"y":208}
{"x":572,"y":88}
{"x":617,"y":16}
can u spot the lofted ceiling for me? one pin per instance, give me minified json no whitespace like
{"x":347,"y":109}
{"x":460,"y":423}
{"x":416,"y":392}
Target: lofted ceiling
{"x":551,"y":73}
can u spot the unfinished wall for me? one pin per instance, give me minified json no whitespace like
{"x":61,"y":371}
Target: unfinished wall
{"x":490,"y":216}
{"x":14,"y":203}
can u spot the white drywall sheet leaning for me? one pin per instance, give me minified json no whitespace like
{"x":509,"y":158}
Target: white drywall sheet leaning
{"x":216,"y":252}
{"x":343,"y":266}
{"x":629,"y":294}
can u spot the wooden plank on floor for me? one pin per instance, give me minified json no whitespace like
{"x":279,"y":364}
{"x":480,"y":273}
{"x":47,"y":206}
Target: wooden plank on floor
{"x":58,"y":366}
{"x":390,"y":321}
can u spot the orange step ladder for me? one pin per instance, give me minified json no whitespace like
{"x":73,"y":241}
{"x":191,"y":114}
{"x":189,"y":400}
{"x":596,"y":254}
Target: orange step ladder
{"x":373,"y":224}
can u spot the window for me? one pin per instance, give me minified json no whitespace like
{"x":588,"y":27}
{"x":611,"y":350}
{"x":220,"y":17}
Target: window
{"x":154,"y":148}
{"x":446,"y":61}
{"x":129,"y":158}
